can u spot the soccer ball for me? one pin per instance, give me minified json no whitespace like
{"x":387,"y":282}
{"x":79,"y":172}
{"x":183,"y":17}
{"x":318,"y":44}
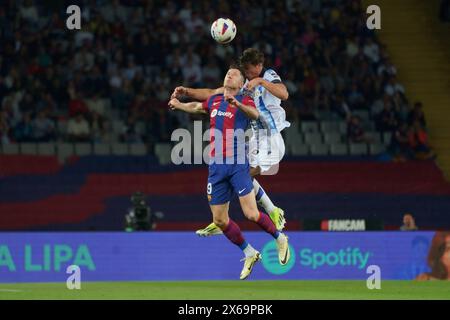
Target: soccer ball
{"x":223,"y":30}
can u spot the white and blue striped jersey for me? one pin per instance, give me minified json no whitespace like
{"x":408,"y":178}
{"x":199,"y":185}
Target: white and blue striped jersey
{"x":271,"y":115}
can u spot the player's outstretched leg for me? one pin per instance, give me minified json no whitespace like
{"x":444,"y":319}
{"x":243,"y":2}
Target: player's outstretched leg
{"x":248,"y":205}
{"x":234,"y":234}
{"x":281,"y":239}
{"x":276,"y":214}
{"x":210,"y":230}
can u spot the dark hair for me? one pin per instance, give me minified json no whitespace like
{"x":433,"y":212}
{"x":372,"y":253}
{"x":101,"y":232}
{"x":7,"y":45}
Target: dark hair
{"x":437,"y":250}
{"x":251,"y":56}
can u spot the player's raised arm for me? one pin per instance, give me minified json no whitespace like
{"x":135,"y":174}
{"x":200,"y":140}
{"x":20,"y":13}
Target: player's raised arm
{"x":190,"y":107}
{"x":200,"y":94}
{"x":278,"y":89}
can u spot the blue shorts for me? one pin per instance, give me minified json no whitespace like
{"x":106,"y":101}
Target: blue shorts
{"x":223,"y":179}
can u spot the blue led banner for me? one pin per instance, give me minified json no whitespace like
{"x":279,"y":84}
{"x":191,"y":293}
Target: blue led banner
{"x":44,"y":257}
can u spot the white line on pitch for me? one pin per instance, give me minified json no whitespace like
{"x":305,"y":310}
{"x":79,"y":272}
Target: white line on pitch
{"x":10,"y":290}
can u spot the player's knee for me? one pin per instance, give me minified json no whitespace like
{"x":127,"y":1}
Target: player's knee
{"x":251,"y":215}
{"x":220,"y":222}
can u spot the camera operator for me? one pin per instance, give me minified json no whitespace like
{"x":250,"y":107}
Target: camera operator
{"x":140,"y":216}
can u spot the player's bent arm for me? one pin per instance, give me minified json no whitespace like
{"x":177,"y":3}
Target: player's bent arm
{"x":203,"y":93}
{"x":190,"y":107}
{"x":279,"y":90}
{"x":249,"y":111}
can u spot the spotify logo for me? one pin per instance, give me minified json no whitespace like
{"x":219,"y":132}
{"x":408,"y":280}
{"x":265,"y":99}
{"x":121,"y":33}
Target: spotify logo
{"x":270,"y":259}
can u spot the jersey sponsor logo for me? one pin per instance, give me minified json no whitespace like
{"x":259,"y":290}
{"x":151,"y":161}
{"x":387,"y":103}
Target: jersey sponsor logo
{"x":219,"y":113}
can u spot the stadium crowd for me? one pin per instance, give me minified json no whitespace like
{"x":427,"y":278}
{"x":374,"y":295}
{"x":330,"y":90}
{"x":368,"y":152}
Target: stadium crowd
{"x":129,"y":55}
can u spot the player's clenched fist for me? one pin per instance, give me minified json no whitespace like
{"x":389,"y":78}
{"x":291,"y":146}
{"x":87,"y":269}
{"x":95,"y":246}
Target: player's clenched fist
{"x":173,"y":103}
{"x":178,"y":92}
{"x":231,"y":100}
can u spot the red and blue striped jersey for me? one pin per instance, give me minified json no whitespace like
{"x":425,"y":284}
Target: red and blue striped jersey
{"x":225,"y":119}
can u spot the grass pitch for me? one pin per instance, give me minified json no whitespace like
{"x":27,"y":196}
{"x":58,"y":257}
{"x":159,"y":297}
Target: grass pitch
{"x":230,"y":290}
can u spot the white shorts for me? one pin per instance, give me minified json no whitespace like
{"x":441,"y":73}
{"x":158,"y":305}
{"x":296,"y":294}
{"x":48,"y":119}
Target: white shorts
{"x":266,"y":152}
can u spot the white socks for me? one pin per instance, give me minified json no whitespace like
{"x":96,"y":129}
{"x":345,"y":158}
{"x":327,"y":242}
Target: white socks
{"x":249,"y":251}
{"x":262,"y":198}
{"x":281,"y":238}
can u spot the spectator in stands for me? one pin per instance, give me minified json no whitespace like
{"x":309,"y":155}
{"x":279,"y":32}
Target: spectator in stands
{"x":131,"y":135}
{"x":192,"y":74}
{"x":416,"y":114}
{"x":115,"y":57}
{"x":23,"y":132}
{"x":96,"y":105}
{"x":400,"y":146}
{"x":43,"y":128}
{"x":418,"y":140}
{"x":355,"y":98}
{"x":393,"y":86}
{"x":4,"y":128}
{"x":409,"y":224}
{"x":211,"y":73}
{"x":97,"y":127}
{"x":401,"y":107}
{"x":355,"y":131}
{"x":388,"y":118}
{"x":76,"y":104}
{"x":340,"y":106}
{"x":78,"y":129}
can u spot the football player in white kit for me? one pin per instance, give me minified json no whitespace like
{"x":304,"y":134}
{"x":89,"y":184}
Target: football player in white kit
{"x":266,"y":146}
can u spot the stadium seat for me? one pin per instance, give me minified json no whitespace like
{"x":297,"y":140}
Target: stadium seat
{"x":300,"y":149}
{"x":64,"y":150}
{"x":102,"y":149}
{"x":46,"y":149}
{"x":119,"y":149}
{"x":319,"y":149}
{"x":293,"y":136}
{"x":343,"y":127}
{"x":329,"y":126}
{"x":374,"y":136}
{"x":28,"y":148}
{"x":118,"y":126}
{"x":387,"y":136}
{"x":294,"y":127}
{"x":357,"y":149}
{"x":10,"y":148}
{"x":141,"y":127}
{"x":363,"y":114}
{"x":62,"y":127}
{"x":163,"y":152}
{"x":309,"y":126}
{"x":313,"y":138}
{"x":332,"y":137}
{"x":338,"y":149}
{"x":325,"y":115}
{"x":370,"y":126}
{"x":377,"y":148}
{"x":138,"y":149}
{"x":83,"y":149}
